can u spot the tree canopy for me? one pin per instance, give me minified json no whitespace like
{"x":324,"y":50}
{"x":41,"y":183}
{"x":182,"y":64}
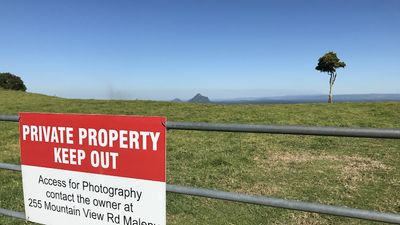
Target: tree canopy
{"x":11,"y":81}
{"x":329,"y":63}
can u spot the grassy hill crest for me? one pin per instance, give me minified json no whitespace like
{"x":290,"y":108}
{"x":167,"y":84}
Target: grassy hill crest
{"x":382,"y":114}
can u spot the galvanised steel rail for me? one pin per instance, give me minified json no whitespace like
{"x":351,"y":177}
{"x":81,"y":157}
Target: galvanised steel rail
{"x":11,"y":213}
{"x":12,"y":167}
{"x":258,"y":200}
{"x":298,"y":130}
{"x":9,"y":118}
{"x":273,"y":129}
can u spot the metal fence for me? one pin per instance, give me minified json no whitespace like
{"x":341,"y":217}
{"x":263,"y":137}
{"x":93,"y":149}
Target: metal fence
{"x":261,"y":200}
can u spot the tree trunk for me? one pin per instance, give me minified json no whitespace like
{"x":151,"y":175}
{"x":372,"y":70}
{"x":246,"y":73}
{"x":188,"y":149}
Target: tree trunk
{"x":331,"y":82}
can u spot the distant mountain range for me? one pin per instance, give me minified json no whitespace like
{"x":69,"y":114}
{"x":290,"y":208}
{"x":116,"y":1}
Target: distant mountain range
{"x":198,"y":98}
{"x":314,"y":99}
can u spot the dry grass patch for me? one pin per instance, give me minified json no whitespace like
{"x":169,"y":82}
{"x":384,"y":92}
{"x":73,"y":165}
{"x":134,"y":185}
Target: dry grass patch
{"x":304,"y":218}
{"x":354,"y":169}
{"x":351,"y":170}
{"x":261,"y":188}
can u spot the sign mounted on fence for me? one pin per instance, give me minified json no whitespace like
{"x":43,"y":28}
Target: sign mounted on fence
{"x":93,"y":169}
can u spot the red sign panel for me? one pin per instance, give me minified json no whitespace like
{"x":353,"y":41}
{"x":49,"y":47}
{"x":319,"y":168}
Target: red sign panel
{"x":125,"y":146}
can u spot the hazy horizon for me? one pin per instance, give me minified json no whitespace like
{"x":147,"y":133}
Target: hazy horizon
{"x":213,"y":95}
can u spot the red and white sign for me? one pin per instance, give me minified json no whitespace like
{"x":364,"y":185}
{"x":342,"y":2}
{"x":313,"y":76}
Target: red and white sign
{"x":93,"y":169}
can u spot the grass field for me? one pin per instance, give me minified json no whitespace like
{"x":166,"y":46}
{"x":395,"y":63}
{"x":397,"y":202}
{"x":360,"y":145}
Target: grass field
{"x":355,"y":172}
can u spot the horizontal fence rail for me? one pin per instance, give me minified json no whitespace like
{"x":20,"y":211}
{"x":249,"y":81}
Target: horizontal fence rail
{"x":258,"y":200}
{"x":298,"y":130}
{"x":9,"y":118}
{"x":11,"y":213}
{"x":273,"y":129}
{"x":8,"y":166}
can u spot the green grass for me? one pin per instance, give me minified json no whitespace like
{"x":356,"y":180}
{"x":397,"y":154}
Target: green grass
{"x":355,"y":172}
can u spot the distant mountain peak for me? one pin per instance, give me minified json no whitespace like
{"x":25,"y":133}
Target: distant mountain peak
{"x":198,"y":98}
{"x":177,"y":100}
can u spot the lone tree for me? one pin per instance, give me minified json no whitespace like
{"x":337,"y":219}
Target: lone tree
{"x":328,"y":64}
{"x":10,"y":81}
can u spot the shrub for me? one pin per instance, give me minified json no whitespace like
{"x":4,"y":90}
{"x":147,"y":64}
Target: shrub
{"x":11,"y":81}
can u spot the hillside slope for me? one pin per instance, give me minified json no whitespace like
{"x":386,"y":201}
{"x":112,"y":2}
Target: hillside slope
{"x":353,"y":172}
{"x":338,"y":114}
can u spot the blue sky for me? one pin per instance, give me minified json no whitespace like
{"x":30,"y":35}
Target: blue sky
{"x":223,"y":49}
